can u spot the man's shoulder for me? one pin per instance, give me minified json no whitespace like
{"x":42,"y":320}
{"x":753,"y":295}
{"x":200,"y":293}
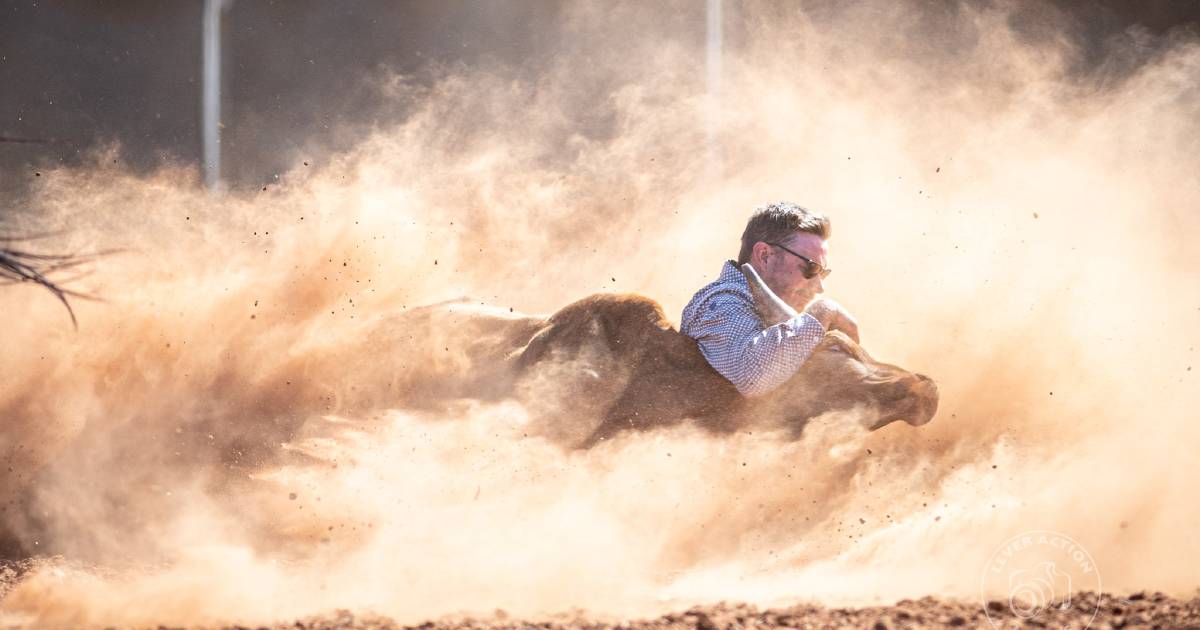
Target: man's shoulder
{"x":731,"y":280}
{"x":729,"y":290}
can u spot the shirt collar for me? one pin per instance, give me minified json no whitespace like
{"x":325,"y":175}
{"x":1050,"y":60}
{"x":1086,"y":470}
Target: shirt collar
{"x":732,"y":273}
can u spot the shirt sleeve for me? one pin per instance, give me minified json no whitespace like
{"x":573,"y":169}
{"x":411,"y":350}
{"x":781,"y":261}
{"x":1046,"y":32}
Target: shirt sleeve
{"x":756,"y":359}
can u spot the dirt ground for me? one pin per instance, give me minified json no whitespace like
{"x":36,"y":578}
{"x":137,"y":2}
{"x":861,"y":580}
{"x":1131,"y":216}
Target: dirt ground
{"x":1086,"y":610}
{"x":1138,"y":610}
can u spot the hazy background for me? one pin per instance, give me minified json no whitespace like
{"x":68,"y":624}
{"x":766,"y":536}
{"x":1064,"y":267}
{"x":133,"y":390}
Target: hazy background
{"x":1015,"y":202}
{"x":297,"y":76}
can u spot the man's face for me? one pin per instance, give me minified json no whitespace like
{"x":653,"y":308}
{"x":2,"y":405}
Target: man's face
{"x":784,"y":272}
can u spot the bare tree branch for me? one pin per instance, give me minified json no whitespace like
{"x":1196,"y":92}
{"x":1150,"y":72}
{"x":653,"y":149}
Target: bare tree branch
{"x":22,"y":266}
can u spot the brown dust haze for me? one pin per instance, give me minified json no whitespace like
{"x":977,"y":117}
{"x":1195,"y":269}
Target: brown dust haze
{"x":220,"y":439}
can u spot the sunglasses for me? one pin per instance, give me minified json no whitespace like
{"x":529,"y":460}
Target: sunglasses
{"x":812,"y":268}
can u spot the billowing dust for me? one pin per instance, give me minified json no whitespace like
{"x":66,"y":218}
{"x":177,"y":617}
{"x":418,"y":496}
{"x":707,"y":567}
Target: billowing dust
{"x":222,"y":438}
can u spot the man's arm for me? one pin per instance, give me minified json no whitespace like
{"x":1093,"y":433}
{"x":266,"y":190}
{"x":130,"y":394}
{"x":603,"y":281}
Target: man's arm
{"x":772,"y":310}
{"x":833,"y":317}
{"x":754,"y":358}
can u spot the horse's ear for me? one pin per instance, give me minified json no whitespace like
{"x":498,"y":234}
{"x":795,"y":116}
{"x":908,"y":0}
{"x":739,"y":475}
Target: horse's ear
{"x":533,"y":351}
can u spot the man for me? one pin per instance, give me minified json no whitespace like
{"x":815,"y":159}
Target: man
{"x":758,"y":323}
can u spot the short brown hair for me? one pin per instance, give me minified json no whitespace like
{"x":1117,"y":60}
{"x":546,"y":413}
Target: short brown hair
{"x":774,"y":222}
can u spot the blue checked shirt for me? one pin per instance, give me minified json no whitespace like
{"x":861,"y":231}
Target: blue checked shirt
{"x":722,"y":319}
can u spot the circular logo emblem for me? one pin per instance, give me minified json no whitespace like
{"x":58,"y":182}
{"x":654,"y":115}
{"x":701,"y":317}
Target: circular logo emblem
{"x":1034,"y":571}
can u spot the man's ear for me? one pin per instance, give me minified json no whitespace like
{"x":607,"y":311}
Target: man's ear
{"x":759,"y":254}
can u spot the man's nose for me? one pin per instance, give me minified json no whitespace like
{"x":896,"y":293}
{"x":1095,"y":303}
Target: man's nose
{"x":820,"y":287}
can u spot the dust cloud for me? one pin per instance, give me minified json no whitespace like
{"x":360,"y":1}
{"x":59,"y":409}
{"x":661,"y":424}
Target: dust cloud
{"x":223,"y":439}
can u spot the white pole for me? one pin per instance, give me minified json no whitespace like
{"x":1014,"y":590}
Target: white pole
{"x":713,"y":67}
{"x":211,"y":93}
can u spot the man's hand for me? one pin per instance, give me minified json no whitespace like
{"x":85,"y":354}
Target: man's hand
{"x":833,"y":317}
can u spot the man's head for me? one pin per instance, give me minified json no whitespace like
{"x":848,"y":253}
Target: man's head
{"x":785,"y":243}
